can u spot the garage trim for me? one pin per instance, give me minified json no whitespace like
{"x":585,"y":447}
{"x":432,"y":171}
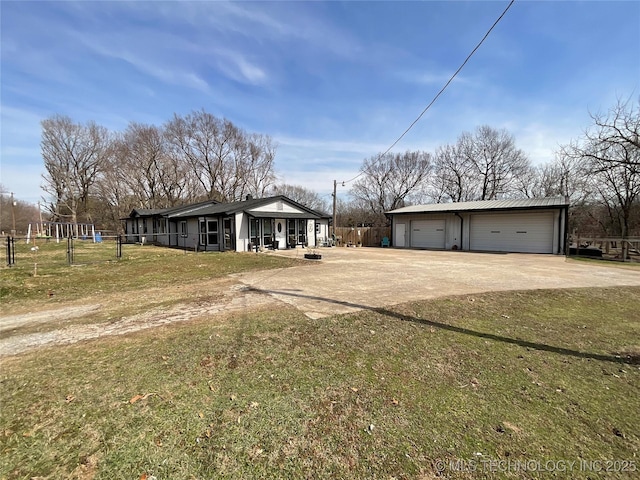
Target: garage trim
{"x":537,"y":225}
{"x":530,"y":232}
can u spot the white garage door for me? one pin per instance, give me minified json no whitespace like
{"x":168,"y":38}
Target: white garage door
{"x":513,"y":232}
{"x":427,"y":233}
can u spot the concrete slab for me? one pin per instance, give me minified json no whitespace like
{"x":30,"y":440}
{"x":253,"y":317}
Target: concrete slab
{"x":349,"y":279}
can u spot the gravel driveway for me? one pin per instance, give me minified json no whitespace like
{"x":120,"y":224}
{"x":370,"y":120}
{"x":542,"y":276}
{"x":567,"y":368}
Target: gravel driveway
{"x":346,"y":279}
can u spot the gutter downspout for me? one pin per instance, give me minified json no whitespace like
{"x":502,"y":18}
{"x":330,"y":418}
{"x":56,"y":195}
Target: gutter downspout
{"x":461,"y":228}
{"x":566,"y":230}
{"x":560,"y":220}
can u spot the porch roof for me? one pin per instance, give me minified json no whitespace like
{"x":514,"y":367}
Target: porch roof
{"x":282,"y":215}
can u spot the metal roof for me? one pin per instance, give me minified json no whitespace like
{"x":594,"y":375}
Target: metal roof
{"x":246,"y":206}
{"x":168,"y":212}
{"x":484,"y":205}
{"x":260,"y":214}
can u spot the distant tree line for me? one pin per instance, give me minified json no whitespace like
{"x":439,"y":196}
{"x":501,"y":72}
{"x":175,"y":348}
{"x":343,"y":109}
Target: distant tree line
{"x":20,"y":214}
{"x":96,"y":175}
{"x":599,"y":172}
{"x":99,"y":176}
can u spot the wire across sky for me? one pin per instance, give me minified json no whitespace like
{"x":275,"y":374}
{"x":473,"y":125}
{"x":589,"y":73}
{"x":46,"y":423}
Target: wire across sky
{"x":440,"y":92}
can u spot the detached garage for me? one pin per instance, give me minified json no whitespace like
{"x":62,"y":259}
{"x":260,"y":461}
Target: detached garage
{"x":536,"y":225}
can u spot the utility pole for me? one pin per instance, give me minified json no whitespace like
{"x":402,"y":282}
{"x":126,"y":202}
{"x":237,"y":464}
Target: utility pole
{"x":13,"y":216}
{"x":335,"y":183}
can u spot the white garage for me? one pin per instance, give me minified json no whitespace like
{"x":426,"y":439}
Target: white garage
{"x":428,"y":233}
{"x":512,"y":232}
{"x":535,"y":225}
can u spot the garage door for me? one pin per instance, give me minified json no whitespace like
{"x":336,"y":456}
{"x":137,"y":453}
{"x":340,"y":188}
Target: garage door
{"x":427,"y":233}
{"x":521,"y":232}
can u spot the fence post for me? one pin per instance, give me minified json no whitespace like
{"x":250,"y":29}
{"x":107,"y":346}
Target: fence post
{"x":70,"y":250}
{"x":119,"y":246}
{"x":11,"y":251}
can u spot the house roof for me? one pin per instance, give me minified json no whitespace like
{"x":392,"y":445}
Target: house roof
{"x":146,"y":212}
{"x":246,"y":206}
{"x":485,"y":205}
{"x":284,"y":215}
{"x":153,"y":212}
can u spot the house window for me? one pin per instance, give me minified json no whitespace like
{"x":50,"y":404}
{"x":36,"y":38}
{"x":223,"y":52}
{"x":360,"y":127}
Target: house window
{"x":302,"y":232}
{"x":254,"y":231}
{"x":228,"y":234}
{"x":212,"y":232}
{"x":317,"y":227}
{"x":203,"y":232}
{"x":296,"y":231}
{"x":267,"y":231}
{"x":291,"y":232}
{"x":183,"y":228}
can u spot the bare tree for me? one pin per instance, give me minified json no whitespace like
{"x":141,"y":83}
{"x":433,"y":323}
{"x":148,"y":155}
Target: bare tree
{"x":619,"y":128}
{"x":153,"y":176}
{"x":140,"y":153}
{"x":566,"y":177}
{"x":495,"y":161}
{"x":74,"y":155}
{"x":610,"y":153}
{"x":258,"y":170}
{"x":14,"y":211}
{"x":356,"y":212}
{"x":304,"y":196}
{"x":226,"y":162}
{"x":199,"y":141}
{"x":453,"y":177}
{"x":114,"y":191}
{"x":388,"y":181}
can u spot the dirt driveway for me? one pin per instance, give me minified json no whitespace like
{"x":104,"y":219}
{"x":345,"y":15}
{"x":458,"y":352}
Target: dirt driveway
{"x":346,"y":279}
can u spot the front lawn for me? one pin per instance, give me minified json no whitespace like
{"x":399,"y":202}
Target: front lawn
{"x":99,"y":274}
{"x":406,"y":392}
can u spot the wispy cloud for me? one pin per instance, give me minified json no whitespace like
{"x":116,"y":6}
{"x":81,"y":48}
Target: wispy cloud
{"x":333,"y":83}
{"x":19,"y":126}
{"x":328,"y":145}
{"x":238,"y":68}
{"x":258,"y":26}
{"x":435,"y":78}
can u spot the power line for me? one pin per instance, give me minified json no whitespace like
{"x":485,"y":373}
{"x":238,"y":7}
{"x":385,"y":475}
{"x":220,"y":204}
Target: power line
{"x":441,"y":90}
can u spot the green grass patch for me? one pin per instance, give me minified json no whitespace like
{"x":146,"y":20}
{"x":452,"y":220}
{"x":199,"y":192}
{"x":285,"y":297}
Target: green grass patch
{"x":520,"y":376}
{"x":633,"y":264}
{"x":99,"y":273}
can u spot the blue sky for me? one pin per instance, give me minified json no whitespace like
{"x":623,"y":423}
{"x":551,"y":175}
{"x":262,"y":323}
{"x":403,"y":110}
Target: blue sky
{"x":332,"y":83}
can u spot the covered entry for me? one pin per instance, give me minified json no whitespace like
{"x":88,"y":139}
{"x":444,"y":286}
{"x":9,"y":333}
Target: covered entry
{"x":512,"y":232}
{"x":427,"y":233}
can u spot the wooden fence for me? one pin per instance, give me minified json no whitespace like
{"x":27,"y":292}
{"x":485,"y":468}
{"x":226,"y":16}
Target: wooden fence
{"x":365,"y":236}
{"x":606,"y":244}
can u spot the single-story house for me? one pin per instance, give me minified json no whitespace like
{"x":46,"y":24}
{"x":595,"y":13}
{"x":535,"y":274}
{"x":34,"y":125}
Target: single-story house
{"x":250,"y":224}
{"x":534,"y":225}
